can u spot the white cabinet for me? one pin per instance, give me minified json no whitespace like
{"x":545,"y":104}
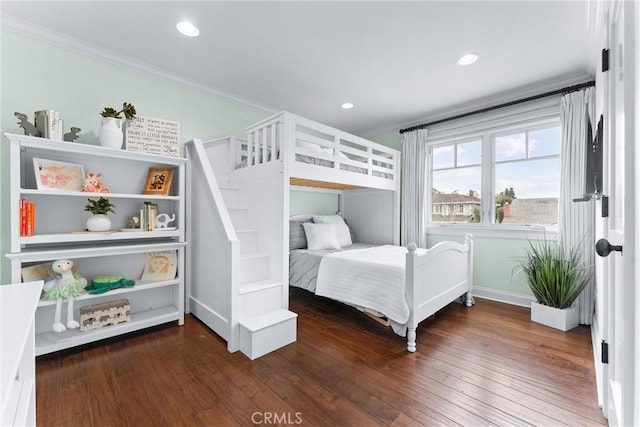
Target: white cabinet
{"x":17,"y":373}
{"x":59,"y":234}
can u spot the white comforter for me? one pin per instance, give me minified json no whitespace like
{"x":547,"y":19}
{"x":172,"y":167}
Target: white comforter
{"x":372,"y":278}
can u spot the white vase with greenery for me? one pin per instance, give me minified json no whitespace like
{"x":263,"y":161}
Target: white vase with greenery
{"x":100,"y":208}
{"x":111,"y":132}
{"x":556,"y":277}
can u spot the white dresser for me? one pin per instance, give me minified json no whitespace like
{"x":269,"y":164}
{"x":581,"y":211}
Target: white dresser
{"x":18,"y":304}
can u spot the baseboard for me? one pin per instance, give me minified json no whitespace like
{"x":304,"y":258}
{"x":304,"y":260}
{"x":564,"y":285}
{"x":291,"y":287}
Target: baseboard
{"x":503,"y":296}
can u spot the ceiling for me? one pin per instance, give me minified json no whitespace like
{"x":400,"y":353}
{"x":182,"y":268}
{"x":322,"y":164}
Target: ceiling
{"x":396,"y":61}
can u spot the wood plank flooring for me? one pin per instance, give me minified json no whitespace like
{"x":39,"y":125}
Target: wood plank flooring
{"x":485,"y":365}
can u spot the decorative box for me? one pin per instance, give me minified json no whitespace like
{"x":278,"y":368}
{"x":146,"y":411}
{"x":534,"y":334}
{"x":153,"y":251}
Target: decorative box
{"x":104,"y":314}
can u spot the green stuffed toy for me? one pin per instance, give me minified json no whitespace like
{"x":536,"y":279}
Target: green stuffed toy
{"x":102,"y":284}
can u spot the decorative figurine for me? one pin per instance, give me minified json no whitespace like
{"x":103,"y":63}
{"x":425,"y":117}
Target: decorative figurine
{"x":72,"y":135}
{"x":163,"y":220}
{"x":67,"y":286}
{"x":29,"y":128}
{"x":93,"y":184}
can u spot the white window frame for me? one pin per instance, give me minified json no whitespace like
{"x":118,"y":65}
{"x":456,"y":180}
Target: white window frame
{"x":487,"y":134}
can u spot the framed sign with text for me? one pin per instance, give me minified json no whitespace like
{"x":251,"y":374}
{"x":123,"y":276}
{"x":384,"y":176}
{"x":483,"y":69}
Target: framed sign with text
{"x":153,"y":136}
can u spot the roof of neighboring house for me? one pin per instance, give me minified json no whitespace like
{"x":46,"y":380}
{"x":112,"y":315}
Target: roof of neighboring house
{"x":450,"y":218}
{"x":533,"y":211}
{"x":454,"y":198}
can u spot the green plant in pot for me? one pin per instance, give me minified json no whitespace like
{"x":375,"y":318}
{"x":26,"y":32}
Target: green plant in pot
{"x":556,"y":278}
{"x":110,"y":133}
{"x":100,"y":208}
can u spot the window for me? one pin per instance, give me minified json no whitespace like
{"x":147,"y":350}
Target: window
{"x":456,"y":177}
{"x":505,"y":177}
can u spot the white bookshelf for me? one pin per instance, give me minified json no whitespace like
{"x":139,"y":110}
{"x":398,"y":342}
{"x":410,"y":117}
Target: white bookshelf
{"x":60,"y":234}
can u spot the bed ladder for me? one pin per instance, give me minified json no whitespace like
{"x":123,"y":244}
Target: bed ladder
{"x":237,"y":287}
{"x":265,"y":325}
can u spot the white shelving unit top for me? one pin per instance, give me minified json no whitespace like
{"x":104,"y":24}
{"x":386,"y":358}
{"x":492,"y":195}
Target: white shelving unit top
{"x":34,"y":143}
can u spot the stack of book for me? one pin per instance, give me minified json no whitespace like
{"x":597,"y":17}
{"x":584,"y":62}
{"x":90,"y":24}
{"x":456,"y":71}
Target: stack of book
{"x":148,"y":215}
{"x":27,"y":218}
{"x":49,"y":124}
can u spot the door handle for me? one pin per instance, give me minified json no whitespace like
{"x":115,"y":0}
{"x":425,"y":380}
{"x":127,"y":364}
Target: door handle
{"x":604,"y":248}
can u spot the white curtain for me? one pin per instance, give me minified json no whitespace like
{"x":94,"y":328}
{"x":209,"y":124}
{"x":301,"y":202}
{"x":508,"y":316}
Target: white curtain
{"x":577,"y":219}
{"x":414,"y":160}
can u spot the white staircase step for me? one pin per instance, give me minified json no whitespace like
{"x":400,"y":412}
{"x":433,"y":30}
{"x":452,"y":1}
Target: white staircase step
{"x":259,"y":298}
{"x":263,"y":334}
{"x":230,"y":196}
{"x":253,"y":268}
{"x":249,"y":239}
{"x":239,"y":217}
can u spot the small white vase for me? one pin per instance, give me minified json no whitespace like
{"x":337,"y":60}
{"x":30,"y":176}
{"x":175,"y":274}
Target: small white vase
{"x":110,"y":133}
{"x":99,"y":222}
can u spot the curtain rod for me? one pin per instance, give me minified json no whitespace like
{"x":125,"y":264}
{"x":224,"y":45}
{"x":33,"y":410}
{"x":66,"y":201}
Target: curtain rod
{"x":563,"y":91}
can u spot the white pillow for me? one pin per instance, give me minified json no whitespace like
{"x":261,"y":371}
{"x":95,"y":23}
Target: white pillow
{"x":320,"y":236}
{"x":341,"y":228}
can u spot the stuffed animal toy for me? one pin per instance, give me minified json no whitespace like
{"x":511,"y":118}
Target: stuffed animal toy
{"x":93,"y":184}
{"x":66,"y":286}
{"x":102,"y":284}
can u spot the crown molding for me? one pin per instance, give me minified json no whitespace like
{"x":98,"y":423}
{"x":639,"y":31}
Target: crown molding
{"x":72,"y":44}
{"x":497,"y":99}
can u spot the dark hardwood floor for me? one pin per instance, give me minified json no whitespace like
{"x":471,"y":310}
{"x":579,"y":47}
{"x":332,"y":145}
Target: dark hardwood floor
{"x":487,"y":365}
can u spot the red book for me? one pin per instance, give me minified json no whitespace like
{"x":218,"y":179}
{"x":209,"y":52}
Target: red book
{"x":31,"y":219}
{"x":23,"y":217}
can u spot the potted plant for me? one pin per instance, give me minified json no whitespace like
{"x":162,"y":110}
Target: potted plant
{"x":556,"y":277}
{"x":99,"y":221}
{"x":110,"y":133}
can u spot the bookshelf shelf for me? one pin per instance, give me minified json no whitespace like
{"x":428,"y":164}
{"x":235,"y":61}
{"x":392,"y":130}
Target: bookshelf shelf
{"x":60,"y":223}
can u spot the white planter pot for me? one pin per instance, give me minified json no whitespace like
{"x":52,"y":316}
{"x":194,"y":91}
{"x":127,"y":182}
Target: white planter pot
{"x":563,"y":319}
{"x":110,"y":133}
{"x":99,"y":223}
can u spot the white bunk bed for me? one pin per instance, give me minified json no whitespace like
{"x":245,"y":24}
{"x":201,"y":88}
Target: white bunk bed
{"x":284,"y":151}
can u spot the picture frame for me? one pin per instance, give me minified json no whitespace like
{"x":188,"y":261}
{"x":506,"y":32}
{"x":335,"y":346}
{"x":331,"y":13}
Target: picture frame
{"x":158,"y":181}
{"x":162,"y":265}
{"x":56,"y":175}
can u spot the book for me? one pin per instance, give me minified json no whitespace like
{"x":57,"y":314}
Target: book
{"x":23,"y":217}
{"x":42,"y":123}
{"x":31,"y":219}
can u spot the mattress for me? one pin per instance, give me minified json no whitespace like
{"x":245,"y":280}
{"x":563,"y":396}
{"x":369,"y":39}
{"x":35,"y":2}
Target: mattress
{"x":304,"y":264}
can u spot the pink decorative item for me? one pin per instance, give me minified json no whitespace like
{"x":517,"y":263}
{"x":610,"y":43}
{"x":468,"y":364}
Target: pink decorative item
{"x":93,"y":184}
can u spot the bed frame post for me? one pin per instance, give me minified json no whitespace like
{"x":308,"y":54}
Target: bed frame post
{"x":410,"y":276}
{"x":468,"y":239}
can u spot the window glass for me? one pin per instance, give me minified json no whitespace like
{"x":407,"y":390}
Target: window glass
{"x":443,"y":157}
{"x":458,"y":187}
{"x":511,"y":147}
{"x":520,"y":180}
{"x":469,"y":153}
{"x":544,"y":142}
{"x":526,"y":190}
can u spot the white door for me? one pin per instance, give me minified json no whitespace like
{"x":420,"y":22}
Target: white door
{"x":620,"y":246}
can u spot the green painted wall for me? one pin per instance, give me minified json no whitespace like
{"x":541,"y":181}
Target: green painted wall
{"x":495,"y":262}
{"x":390,"y":138}
{"x":304,"y":202}
{"x":35,"y":75}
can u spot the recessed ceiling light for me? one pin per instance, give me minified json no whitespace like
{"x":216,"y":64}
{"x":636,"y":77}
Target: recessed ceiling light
{"x":347,"y":105}
{"x":468,"y":59}
{"x":187,"y":28}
